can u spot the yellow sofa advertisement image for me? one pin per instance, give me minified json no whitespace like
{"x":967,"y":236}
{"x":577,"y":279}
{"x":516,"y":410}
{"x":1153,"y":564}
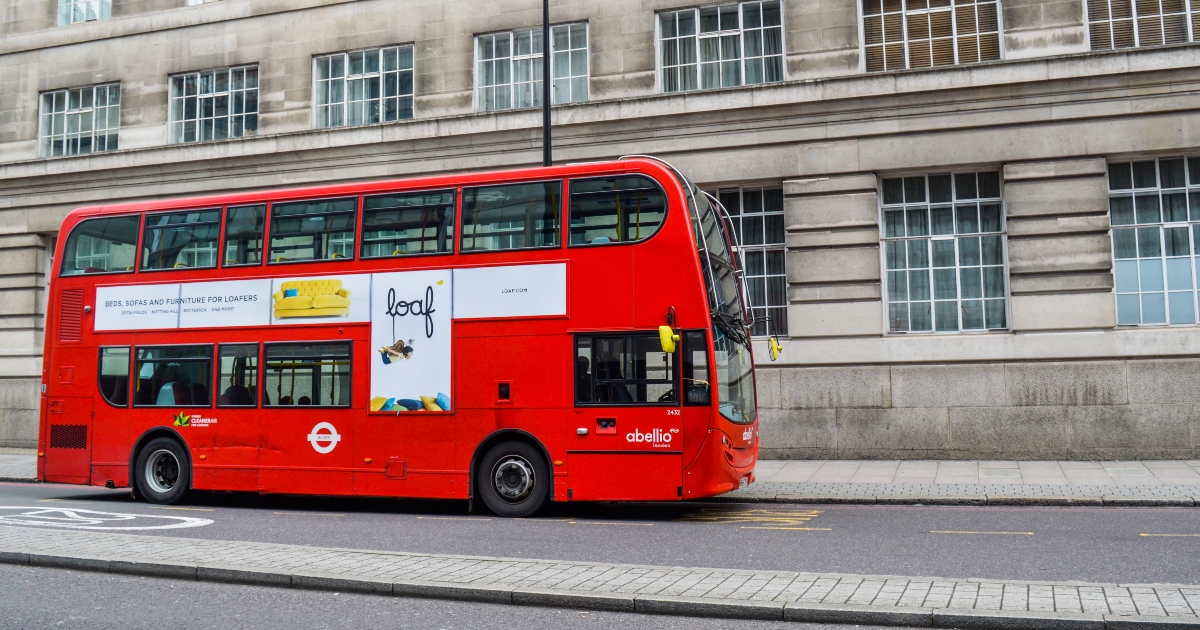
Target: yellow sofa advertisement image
{"x":319,"y":299}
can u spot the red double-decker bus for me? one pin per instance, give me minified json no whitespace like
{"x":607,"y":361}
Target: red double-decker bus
{"x":571,"y":333}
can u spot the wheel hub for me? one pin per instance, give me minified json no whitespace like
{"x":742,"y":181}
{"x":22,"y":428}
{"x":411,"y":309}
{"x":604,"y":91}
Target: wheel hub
{"x":162,"y":471}
{"x":513,"y":478}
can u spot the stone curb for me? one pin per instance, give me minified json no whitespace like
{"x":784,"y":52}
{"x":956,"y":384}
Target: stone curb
{"x":963,"y":500}
{"x":650,"y":604}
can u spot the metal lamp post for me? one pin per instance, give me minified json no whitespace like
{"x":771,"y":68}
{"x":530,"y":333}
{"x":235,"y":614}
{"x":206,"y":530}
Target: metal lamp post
{"x":547,"y":155}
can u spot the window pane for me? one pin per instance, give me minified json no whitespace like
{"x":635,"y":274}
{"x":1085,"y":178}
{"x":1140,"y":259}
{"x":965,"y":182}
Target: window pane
{"x":1125,"y":274}
{"x":1124,"y":243}
{"x":615,"y":210}
{"x":176,"y":376}
{"x":1149,"y":245}
{"x":181,"y":240}
{"x":101,"y":245}
{"x":113,"y":378}
{"x":944,"y":284}
{"x":315,"y":375}
{"x":943,"y":220}
{"x":511,"y":216}
{"x":1151,"y":275}
{"x":1181,"y":304}
{"x":237,"y":365}
{"x":244,"y":235}
{"x":947,"y":316}
{"x":918,"y":253}
{"x":410,"y":223}
{"x":626,"y":370}
{"x":1154,"y":309}
{"x":313,"y":230}
{"x":1129,"y":309}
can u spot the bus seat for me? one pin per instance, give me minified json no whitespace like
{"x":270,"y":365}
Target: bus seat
{"x":200,"y":394}
{"x":236,"y":396}
{"x":173,"y":393}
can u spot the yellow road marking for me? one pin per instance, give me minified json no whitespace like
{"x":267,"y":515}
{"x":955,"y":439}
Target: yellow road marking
{"x":163,"y":507}
{"x":608,"y":523}
{"x":782,"y":518}
{"x":453,"y":518}
{"x":798,"y":529}
{"x":1172,"y":535}
{"x":940,"y":531}
{"x":308,"y":514}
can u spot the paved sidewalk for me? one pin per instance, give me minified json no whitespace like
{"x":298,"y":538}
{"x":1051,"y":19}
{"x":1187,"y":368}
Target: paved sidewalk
{"x":887,"y":600}
{"x":1171,"y":482}
{"x":18,"y":464}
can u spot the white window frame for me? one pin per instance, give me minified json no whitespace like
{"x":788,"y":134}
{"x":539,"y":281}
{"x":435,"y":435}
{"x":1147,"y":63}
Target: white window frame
{"x":1189,"y":16}
{"x":78,"y":11}
{"x":906,"y":42}
{"x":339,"y":103}
{"x":203,"y":120}
{"x":60,"y":111}
{"x":694,"y":61}
{"x":889,"y":241}
{"x":778,"y":324}
{"x":1171,"y":287}
{"x":578,"y":85}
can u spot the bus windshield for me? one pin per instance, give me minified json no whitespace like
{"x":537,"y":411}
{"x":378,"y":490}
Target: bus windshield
{"x":731,"y":341}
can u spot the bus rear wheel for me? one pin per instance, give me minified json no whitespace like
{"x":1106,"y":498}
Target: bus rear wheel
{"x":161,"y":472}
{"x":513,"y":479}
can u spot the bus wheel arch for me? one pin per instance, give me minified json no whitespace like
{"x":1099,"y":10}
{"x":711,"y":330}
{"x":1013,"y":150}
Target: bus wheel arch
{"x":160,"y":439}
{"x":502,"y":436}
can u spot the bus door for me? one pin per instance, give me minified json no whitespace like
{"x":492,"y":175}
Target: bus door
{"x":625,"y":441}
{"x":305,"y":443}
{"x":69,"y":417}
{"x":234,"y":461}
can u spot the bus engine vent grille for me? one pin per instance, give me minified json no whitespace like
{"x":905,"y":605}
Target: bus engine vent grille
{"x":70,"y":315}
{"x":68,"y":436}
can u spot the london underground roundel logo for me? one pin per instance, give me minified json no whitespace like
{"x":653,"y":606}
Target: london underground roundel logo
{"x":324,"y":438}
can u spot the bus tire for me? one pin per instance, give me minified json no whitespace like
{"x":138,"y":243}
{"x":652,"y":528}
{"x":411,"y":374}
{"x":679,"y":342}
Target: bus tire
{"x":162,"y":474}
{"x":513,"y":479}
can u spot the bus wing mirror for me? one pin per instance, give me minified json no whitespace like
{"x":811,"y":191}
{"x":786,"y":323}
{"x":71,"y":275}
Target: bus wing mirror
{"x":668,"y":338}
{"x":774,"y":348}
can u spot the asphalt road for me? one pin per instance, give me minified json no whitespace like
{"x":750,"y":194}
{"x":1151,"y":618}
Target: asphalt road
{"x":54,"y":598}
{"x":1126,"y":545}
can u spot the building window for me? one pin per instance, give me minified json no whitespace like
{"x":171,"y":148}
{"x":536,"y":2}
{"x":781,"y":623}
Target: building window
{"x":510,"y":67}
{"x":943,"y":240}
{"x":80,"y":120}
{"x":722,"y":46}
{"x":899,"y":34}
{"x":364,"y":87}
{"x":1126,"y":23}
{"x":214,"y":105}
{"x":757,"y":215}
{"x":1154,"y":209}
{"x":75,"y":11}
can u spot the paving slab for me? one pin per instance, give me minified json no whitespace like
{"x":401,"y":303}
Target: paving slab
{"x":693,"y":591}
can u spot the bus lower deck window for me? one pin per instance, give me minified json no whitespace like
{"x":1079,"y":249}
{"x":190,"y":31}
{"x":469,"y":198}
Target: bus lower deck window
{"x":623,"y":370}
{"x":314,"y":374}
{"x":113,"y":376}
{"x":237,"y":375}
{"x":173,"y":376}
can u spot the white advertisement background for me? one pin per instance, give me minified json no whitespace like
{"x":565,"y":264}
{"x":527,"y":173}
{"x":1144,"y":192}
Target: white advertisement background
{"x":427,"y":372}
{"x":134,"y":307}
{"x":227,"y":303}
{"x":510,"y":291}
{"x":358,"y":285}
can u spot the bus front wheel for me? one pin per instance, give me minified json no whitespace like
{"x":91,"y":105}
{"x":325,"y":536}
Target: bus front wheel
{"x":513,"y":479}
{"x":162,"y":474}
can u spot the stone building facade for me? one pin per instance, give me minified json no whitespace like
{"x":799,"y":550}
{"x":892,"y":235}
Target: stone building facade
{"x":966,"y":260}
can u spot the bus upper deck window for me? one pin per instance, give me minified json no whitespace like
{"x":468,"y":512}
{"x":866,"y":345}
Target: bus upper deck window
{"x":113,"y":377}
{"x":615,"y":210}
{"x":244,"y":235}
{"x":181,"y":240}
{"x":511,"y":216}
{"x":101,"y":246}
{"x":313,"y":230}
{"x":408,"y":223}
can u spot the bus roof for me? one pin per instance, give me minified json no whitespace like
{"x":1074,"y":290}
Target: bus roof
{"x":625,"y":165}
